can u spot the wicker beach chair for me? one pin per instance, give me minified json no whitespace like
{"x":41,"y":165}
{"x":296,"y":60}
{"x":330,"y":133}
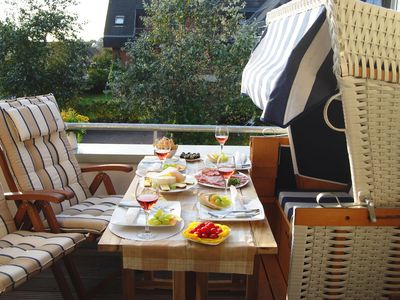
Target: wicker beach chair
{"x":352,"y":253}
{"x":36,"y":155}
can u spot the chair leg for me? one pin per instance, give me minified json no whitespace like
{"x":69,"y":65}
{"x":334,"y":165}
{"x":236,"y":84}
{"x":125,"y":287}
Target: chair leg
{"x":62,"y":283}
{"x":75,"y":277}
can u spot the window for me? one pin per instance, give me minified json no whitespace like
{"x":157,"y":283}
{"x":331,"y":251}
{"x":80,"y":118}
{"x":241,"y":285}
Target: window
{"x":119,"y":20}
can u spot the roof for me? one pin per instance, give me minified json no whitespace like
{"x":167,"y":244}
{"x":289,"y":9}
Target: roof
{"x":116,"y":35}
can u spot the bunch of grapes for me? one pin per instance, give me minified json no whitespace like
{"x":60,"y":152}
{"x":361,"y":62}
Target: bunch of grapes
{"x":160,"y":218}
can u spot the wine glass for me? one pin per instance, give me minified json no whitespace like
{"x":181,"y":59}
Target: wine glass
{"x":221,"y":135}
{"x":162,"y":150}
{"x":226,"y":167}
{"x":147,"y":197}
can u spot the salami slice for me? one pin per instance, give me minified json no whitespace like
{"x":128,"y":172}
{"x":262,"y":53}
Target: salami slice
{"x":211,"y":177}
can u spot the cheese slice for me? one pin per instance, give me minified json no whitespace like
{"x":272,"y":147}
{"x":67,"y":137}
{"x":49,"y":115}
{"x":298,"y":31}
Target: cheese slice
{"x":164,"y":180}
{"x":171,"y":171}
{"x":164,"y":187}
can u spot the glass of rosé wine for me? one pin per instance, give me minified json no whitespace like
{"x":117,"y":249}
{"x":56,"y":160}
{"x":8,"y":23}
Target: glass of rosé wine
{"x":221,"y":135}
{"x":162,"y":148}
{"x":147,"y":197}
{"x":226,"y":167}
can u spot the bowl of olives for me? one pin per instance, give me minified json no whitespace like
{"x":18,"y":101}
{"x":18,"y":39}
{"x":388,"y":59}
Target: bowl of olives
{"x":189,"y":156}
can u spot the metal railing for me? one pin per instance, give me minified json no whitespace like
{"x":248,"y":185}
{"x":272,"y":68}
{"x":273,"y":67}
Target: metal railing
{"x":265,"y":130}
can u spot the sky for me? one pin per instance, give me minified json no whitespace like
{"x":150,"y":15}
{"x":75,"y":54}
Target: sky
{"x":92,"y":14}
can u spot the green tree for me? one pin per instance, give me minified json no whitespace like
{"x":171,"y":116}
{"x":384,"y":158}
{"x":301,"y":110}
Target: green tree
{"x":186,"y":66}
{"x":99,"y":71}
{"x":40,"y":52}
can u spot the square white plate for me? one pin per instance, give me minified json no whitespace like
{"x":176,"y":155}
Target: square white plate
{"x":251,"y":204}
{"x":119,"y":216}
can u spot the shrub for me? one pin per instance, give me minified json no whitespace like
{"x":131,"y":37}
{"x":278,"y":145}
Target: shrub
{"x":99,"y":71}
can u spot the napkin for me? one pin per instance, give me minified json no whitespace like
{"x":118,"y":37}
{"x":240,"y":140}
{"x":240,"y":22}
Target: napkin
{"x":131,"y":215}
{"x":241,"y":160}
{"x":238,"y":159}
{"x":234,"y":194}
{"x":237,"y":198}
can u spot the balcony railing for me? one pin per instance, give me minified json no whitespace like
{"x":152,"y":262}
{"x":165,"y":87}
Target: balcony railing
{"x":265,"y":130}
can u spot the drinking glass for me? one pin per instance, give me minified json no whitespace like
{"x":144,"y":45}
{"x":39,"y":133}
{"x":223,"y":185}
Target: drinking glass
{"x":147,"y":197}
{"x":162,"y":150}
{"x":221,"y":135}
{"x":226,"y":167}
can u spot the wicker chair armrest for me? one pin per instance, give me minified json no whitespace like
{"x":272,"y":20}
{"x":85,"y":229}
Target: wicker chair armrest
{"x":108,"y":167}
{"x":48,"y":196}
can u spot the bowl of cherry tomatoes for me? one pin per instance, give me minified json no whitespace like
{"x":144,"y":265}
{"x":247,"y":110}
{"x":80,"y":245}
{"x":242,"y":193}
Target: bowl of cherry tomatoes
{"x":208,"y":233}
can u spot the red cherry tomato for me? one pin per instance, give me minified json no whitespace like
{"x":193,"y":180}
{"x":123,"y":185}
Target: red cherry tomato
{"x":213,"y":236}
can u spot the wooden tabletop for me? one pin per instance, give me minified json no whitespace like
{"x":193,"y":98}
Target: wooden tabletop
{"x":257,"y":234}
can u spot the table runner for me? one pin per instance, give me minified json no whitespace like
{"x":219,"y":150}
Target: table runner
{"x":234,"y":255}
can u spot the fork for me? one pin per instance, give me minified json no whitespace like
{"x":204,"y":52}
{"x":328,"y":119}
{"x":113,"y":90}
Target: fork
{"x":248,"y":212}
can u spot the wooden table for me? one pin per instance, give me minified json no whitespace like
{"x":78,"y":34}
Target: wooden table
{"x":259,"y":237}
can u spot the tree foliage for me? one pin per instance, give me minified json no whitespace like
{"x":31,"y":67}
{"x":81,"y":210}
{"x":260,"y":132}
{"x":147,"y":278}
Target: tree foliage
{"x":99,"y":71}
{"x":40,"y":52}
{"x":186,"y":66}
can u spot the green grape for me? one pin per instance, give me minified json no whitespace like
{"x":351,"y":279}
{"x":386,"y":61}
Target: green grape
{"x":226,"y":201}
{"x":158,"y":213}
{"x":154,"y":222}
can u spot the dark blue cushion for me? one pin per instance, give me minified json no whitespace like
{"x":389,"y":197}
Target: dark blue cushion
{"x":290,"y":200}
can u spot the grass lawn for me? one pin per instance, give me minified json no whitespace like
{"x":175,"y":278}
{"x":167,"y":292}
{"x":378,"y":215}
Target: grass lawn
{"x":100,"y":108}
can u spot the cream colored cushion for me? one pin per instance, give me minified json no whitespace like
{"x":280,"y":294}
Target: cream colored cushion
{"x":25,"y":253}
{"x":91,"y":215}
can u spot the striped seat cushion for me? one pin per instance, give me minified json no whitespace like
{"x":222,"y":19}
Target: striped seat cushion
{"x":91,"y":215}
{"x":24,"y":253}
{"x":291,"y":200}
{"x":290,"y":70}
{"x":42,"y":162}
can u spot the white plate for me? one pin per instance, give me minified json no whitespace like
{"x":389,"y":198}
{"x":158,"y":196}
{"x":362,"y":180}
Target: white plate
{"x":119,"y":216}
{"x":161,"y":233}
{"x":222,"y":187}
{"x":253,"y":204}
{"x":188,"y":186}
{"x":245,"y":167}
{"x":153,"y":164}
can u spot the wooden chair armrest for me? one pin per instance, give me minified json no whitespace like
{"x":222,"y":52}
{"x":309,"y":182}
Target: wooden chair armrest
{"x":66,"y":194}
{"x":108,"y":167}
{"x":36,"y":195}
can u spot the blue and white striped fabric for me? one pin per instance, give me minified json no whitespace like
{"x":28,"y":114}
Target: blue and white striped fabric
{"x":289,"y":201}
{"x":290,"y":70}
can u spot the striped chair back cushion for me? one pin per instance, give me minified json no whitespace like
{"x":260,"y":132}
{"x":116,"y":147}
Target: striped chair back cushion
{"x":34,"y":120}
{"x":7,"y":224}
{"x":44,"y":161}
{"x":290,"y":70}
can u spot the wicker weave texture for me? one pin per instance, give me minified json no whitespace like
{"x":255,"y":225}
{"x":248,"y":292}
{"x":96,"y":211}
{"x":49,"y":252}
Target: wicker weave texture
{"x":372,"y":116}
{"x":345,"y":263}
{"x":294,"y":7}
{"x":365,"y":40}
